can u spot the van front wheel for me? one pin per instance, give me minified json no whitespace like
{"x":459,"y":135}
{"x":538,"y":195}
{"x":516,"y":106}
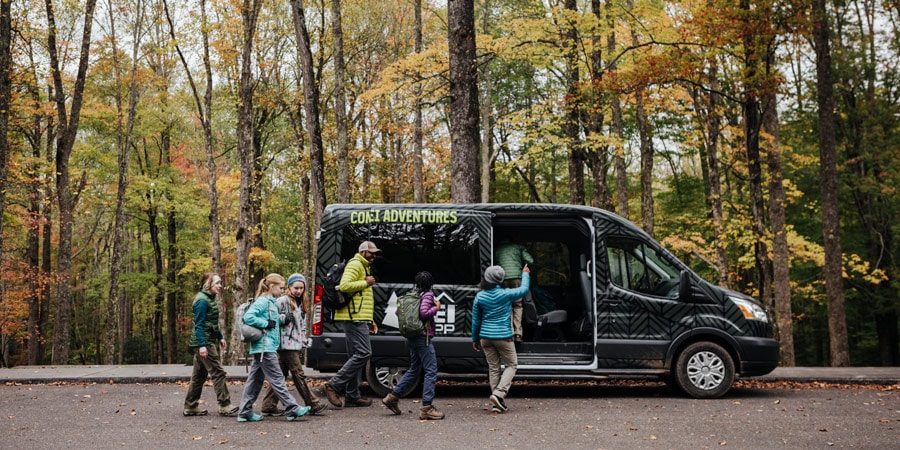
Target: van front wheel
{"x":383,"y":378}
{"x":704,"y":370}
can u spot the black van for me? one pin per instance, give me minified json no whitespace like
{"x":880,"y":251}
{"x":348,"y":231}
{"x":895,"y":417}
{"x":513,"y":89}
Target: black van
{"x":606,"y":299}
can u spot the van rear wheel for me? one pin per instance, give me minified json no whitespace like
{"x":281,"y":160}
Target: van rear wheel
{"x":704,"y":370}
{"x":383,"y":378}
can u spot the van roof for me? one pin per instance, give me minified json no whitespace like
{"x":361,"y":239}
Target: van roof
{"x":510,"y":209}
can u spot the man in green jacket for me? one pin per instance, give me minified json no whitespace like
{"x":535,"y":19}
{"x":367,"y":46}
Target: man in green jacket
{"x":511,"y":256}
{"x":357,"y":319}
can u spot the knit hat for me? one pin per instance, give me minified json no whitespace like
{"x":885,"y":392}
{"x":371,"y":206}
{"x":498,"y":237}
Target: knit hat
{"x":494,"y":274}
{"x":295,"y":277}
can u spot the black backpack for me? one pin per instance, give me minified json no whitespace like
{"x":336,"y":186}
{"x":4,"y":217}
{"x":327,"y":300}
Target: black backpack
{"x":332,"y":298}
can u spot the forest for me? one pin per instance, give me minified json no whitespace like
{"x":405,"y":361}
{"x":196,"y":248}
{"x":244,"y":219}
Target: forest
{"x":145,"y":142}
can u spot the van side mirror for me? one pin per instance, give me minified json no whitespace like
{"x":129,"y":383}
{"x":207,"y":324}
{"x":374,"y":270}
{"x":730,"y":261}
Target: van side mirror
{"x":685,"y":290}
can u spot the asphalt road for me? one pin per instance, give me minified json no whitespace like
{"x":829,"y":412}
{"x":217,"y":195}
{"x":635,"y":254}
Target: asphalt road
{"x":572,"y":416}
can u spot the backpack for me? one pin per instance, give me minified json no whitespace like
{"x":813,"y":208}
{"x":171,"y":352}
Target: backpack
{"x":248,"y":333}
{"x":410,"y":323}
{"x":332,"y":298}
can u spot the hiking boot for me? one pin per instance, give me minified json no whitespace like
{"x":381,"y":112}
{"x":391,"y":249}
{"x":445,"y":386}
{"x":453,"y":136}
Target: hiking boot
{"x":496,"y":410}
{"x":272,"y":412}
{"x":317,"y":408}
{"x":195,"y":411}
{"x":300,"y":412}
{"x":359,"y":401}
{"x":430,"y":413}
{"x":392,"y":403}
{"x":228,"y":410}
{"x":253,"y":417}
{"x":499,"y":403}
{"x":333,"y":397}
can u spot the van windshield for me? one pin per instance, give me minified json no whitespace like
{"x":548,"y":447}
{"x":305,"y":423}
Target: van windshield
{"x":448,"y":251}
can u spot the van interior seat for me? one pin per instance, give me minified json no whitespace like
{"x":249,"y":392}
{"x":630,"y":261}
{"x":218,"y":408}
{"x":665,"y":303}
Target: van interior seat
{"x":547,"y":326}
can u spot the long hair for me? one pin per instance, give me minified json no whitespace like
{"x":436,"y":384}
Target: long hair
{"x":424,"y":281}
{"x":267,"y":282}
{"x":207,"y":280}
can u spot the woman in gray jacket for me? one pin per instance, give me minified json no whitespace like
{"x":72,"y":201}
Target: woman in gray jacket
{"x":292,"y":311}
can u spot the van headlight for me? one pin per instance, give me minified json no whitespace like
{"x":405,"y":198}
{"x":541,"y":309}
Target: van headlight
{"x":750,"y":310}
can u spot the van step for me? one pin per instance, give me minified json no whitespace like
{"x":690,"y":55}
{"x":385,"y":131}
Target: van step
{"x":555,"y":359}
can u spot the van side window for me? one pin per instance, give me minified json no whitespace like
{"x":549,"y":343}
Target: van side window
{"x":636,"y":266}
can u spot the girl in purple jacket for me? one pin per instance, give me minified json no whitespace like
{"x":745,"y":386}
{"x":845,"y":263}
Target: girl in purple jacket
{"x":421,"y":355}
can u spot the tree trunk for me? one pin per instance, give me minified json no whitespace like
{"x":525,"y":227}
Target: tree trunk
{"x":831,"y":230}
{"x":5,"y":94}
{"x":647,"y":216}
{"x":713,"y":130}
{"x":781,"y":264}
{"x":68,"y":126}
{"x":340,"y":114}
{"x":124,"y":133}
{"x":418,"y":175}
{"x":464,"y":146}
{"x":311,"y":105}
{"x":571,"y":126}
{"x":487,"y":148}
{"x":618,"y":130}
{"x":598,"y":155}
{"x":243,"y":291}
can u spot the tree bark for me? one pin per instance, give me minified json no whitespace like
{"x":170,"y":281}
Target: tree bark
{"x":464,"y":145}
{"x":243,"y":291}
{"x":831,"y":230}
{"x":311,"y":105}
{"x":68,"y":126}
{"x":571,"y":124}
{"x":340,"y":108}
{"x":598,"y":155}
{"x":5,"y":95}
{"x":487,"y":148}
{"x":618,"y":129}
{"x":713,"y":130}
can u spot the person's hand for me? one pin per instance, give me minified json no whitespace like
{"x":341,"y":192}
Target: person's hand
{"x":223,"y":344}
{"x":270,"y":325}
{"x":373,"y":328}
{"x":370,"y":280}
{"x":282,"y":318}
{"x":437,"y":304}
{"x":476,"y":345}
{"x":203,"y":352}
{"x":526,"y":269}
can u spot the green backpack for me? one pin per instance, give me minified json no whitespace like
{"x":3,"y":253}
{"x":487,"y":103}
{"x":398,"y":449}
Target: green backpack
{"x":410,"y":324}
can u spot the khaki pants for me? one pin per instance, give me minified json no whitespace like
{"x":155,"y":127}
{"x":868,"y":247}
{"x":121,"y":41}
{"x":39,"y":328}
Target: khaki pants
{"x":513,"y":283}
{"x":497,"y":352}
{"x":203,"y":367}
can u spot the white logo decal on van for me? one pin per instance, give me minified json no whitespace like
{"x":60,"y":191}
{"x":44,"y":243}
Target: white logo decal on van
{"x":444,"y":320}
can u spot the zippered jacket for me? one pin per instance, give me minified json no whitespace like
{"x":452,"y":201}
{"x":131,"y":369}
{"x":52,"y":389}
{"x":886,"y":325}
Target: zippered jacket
{"x":205,"y":331}
{"x":258,"y":314}
{"x":492,"y":311}
{"x":362,"y":304}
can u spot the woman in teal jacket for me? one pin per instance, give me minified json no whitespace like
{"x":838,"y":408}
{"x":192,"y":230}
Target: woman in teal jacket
{"x":492,"y":330}
{"x":263,"y":314}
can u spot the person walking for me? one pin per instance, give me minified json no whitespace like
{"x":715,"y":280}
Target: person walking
{"x":207,"y":344}
{"x":492,"y":331}
{"x":511,"y":255}
{"x":421,"y":355}
{"x":263,"y":314}
{"x":292,"y":310}
{"x":357,"y":319}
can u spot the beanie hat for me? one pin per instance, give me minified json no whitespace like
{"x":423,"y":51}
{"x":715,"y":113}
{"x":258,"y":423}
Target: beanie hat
{"x":295,"y":277}
{"x":494,"y":274}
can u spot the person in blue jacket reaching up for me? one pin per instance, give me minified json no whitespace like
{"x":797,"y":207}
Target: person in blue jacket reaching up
{"x":263,"y":313}
{"x":492,"y":330}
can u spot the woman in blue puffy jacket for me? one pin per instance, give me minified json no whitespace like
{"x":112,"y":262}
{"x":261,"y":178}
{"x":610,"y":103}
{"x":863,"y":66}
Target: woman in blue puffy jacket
{"x":493,"y":333}
{"x":263,"y":314}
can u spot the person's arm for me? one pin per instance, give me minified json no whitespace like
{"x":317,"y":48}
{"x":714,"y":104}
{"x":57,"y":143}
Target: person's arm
{"x":200,"y":309}
{"x":354,"y":278}
{"x":520,"y":291}
{"x":428,"y":308}
{"x":526,"y":257}
{"x":476,"y":320}
{"x":257,"y":314}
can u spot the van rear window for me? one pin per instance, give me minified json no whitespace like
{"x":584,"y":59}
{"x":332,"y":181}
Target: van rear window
{"x":448,"y":251}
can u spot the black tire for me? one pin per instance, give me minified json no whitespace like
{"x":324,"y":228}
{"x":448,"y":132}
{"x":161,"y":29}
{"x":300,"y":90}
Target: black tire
{"x":704,"y":370}
{"x":383,"y":378}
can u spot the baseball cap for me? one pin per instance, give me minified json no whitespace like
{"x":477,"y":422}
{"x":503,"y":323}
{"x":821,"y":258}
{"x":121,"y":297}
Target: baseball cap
{"x":370,"y":246}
